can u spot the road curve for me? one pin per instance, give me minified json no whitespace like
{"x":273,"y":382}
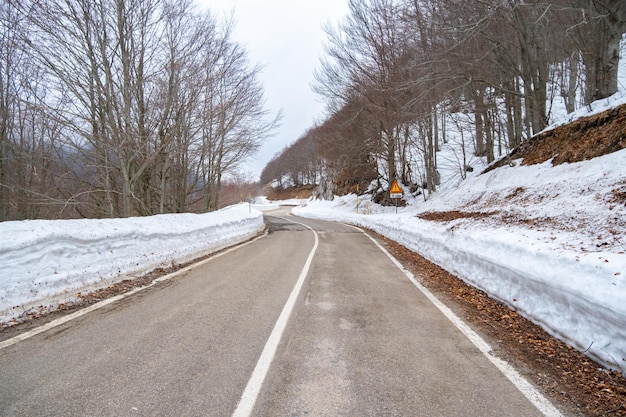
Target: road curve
{"x":361,"y":340}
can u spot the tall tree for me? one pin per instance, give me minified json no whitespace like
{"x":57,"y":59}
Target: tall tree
{"x":233,"y":118}
{"x":596,"y":28}
{"x":364,"y":50}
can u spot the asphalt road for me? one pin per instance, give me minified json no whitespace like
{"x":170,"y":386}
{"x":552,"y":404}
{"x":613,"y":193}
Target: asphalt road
{"x":361,"y":340}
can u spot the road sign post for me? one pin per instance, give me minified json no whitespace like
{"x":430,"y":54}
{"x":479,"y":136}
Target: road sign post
{"x":395,"y":192}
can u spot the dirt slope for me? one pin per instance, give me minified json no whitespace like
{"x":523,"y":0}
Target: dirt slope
{"x":583,"y":139}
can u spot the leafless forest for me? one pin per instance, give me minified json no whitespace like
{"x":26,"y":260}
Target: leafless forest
{"x":116,"y":108}
{"x":403,"y":77}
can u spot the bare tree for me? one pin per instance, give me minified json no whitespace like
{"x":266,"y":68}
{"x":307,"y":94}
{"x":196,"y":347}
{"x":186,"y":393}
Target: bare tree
{"x":27,"y":138}
{"x":365,"y":51}
{"x":153,"y":101}
{"x":99,"y":53}
{"x":596,"y":27}
{"x":9,"y":62}
{"x":234,"y":121}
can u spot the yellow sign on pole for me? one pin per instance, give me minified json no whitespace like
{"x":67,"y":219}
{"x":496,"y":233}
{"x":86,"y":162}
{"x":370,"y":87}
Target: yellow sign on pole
{"x":395,"y":191}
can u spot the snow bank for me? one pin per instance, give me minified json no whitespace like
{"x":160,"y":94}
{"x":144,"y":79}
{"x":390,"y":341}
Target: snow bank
{"x":45,"y":262}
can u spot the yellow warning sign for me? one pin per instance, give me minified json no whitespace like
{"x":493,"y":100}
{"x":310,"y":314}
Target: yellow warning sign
{"x":395,"y":191}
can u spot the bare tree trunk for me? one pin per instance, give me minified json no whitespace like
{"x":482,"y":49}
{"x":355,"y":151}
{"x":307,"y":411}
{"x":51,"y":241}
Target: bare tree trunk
{"x":572,"y":84}
{"x":5,"y":79}
{"x":489,"y":133}
{"x":479,"y":123}
{"x":530,"y":24}
{"x":390,"y":152}
{"x":603,"y":24}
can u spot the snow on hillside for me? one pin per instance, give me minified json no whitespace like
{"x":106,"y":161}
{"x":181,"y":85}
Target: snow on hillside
{"x":46,"y":262}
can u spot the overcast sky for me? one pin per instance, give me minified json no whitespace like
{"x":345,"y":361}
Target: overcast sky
{"x":286,"y":37}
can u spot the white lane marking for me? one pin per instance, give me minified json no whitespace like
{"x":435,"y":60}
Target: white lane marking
{"x":253,"y":388}
{"x":534,"y":396}
{"x":104,"y":303}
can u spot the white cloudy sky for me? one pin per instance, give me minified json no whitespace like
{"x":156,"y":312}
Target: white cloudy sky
{"x":286,"y":37}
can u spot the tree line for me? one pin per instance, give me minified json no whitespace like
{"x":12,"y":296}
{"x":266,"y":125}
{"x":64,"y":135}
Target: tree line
{"x":402,"y":77}
{"x":117,"y":108}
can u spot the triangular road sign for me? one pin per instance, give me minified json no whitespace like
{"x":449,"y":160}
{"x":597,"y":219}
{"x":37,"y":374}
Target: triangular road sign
{"x":395,"y":188}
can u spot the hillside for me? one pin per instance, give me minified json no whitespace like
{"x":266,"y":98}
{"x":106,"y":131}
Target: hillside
{"x":582,"y":139}
{"x":281,"y":194}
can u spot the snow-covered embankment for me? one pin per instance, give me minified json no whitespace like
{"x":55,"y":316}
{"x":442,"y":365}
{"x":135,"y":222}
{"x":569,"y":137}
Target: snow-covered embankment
{"x":46,"y":262}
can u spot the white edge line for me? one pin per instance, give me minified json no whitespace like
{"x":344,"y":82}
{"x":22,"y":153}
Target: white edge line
{"x":525,"y":387}
{"x":108,"y":301}
{"x":253,"y":388}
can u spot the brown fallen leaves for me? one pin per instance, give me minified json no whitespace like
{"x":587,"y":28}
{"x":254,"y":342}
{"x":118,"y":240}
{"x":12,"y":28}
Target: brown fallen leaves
{"x":447,"y":216}
{"x":568,"y":377}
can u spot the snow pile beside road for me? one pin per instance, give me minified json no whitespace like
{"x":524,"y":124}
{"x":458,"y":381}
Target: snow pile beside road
{"x":45,"y":262}
{"x":548,"y":242}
